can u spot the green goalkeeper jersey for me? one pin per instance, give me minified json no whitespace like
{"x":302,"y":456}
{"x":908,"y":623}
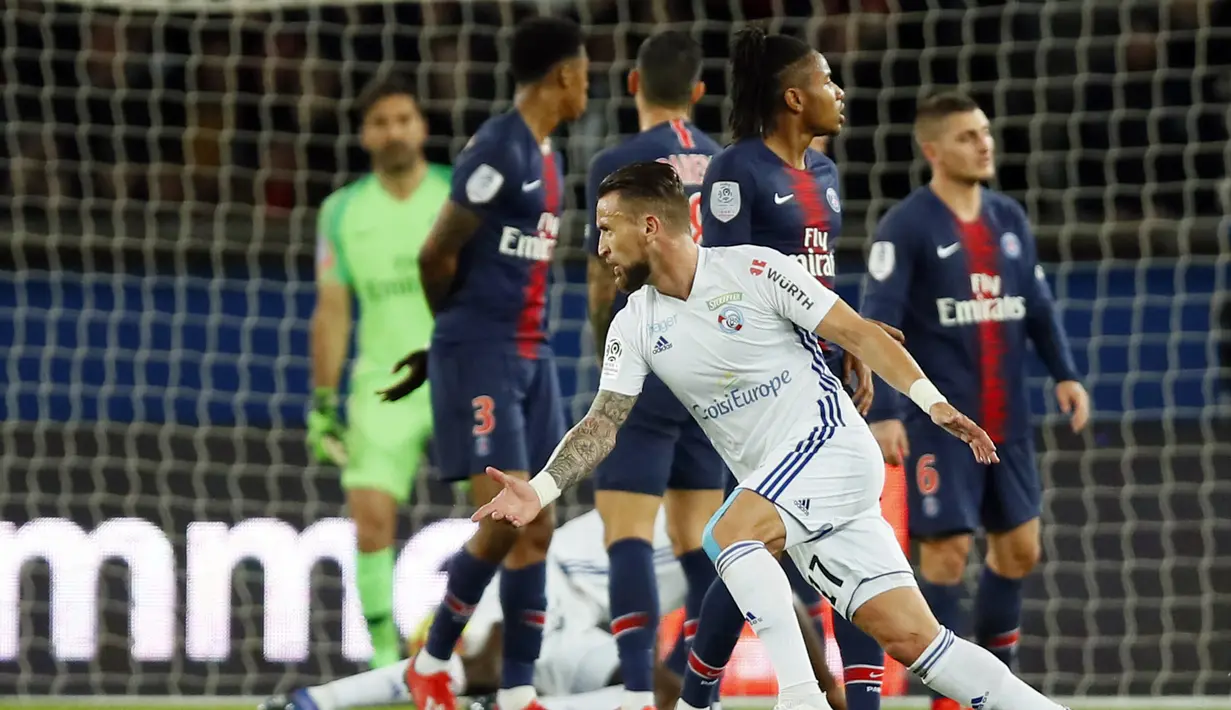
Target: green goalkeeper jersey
{"x":369,"y":241}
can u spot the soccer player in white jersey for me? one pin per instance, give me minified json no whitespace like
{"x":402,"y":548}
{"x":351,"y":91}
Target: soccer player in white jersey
{"x":579,"y":666}
{"x":743,"y":324}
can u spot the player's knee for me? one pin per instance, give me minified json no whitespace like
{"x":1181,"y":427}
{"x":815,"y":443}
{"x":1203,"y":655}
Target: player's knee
{"x":744,"y":517}
{"x":375,"y":518}
{"x":493,"y":541}
{"x":373,"y":534}
{"x":532,"y":541}
{"x":943,"y":561}
{"x":688,"y":514}
{"x":900,"y":622}
{"x":626,"y":515}
{"x":1015,"y":560}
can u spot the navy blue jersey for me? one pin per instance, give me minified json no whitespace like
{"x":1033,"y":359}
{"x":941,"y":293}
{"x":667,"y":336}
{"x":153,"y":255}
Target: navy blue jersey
{"x":752,"y":197}
{"x":682,"y":146}
{"x":500,"y":291}
{"x":967,"y":295}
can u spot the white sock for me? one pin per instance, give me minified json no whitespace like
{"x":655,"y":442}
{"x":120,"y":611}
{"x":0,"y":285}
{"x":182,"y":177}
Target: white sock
{"x":636,"y":700}
{"x":761,"y":590}
{"x":427,"y":664}
{"x":971,"y":675}
{"x":515,"y":698}
{"x":380,"y":686}
{"x":681,"y":705}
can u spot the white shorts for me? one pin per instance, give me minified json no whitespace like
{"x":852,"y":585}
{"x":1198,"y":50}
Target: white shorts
{"x":830,"y":506}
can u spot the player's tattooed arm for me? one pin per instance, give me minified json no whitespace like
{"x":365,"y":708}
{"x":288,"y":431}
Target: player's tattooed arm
{"x":600,"y":282}
{"x":438,"y":259}
{"x":589,"y":442}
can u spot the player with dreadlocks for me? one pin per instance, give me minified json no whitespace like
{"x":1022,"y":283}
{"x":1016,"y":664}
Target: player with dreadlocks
{"x":770,"y":188}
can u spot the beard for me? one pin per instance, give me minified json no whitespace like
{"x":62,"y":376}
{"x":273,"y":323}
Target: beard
{"x":633,"y":277}
{"x":397,"y":158}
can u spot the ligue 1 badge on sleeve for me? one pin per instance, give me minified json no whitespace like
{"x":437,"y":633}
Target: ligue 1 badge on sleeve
{"x":1011,"y":245}
{"x":832,"y":195}
{"x":611,"y":358}
{"x":725,"y":200}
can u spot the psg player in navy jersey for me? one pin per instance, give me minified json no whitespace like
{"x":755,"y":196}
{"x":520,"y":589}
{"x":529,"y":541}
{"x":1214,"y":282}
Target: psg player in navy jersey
{"x":495,"y":397}
{"x":661,"y":456}
{"x":954,"y":266}
{"x":770,"y":188}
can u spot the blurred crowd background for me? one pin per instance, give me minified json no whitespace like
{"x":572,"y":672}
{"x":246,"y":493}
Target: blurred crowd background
{"x":1105,"y":110}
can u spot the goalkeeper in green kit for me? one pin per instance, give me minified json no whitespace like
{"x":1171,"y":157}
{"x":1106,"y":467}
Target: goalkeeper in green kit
{"x":370,"y":233}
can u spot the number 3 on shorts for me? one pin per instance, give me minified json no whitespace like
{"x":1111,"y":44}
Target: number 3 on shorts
{"x":484,"y":415}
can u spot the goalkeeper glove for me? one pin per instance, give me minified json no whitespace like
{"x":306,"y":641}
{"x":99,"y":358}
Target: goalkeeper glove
{"x":325,"y":431}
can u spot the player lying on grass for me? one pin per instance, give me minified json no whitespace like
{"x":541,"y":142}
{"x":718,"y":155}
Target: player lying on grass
{"x":749,"y":368}
{"x":579,"y":666}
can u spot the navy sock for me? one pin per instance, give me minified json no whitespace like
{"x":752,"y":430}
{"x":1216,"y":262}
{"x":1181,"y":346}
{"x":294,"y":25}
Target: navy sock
{"x":863,"y":664}
{"x":523,"y":599}
{"x":699,"y":573}
{"x":998,"y":613}
{"x":718,"y":630}
{"x":946,"y":603}
{"x":468,"y":578}
{"x":634,"y":610}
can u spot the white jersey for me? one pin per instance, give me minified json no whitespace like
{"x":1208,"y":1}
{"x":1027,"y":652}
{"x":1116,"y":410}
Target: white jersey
{"x":740,"y":353}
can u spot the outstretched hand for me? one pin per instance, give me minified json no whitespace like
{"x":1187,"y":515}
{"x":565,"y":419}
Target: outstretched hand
{"x":516,"y":503}
{"x":945,"y":416}
{"x":414,"y":379}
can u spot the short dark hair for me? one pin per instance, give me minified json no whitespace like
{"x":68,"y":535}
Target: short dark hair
{"x":670,"y":66}
{"x":381,"y":88}
{"x":653,"y":183}
{"x":758,"y":61}
{"x":940,"y":106}
{"x":540,"y":43}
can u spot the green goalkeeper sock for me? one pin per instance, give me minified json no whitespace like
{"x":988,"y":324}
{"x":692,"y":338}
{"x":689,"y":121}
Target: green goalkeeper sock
{"x":374,"y":577}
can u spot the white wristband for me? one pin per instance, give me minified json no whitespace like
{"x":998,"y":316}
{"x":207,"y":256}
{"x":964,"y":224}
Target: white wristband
{"x":924,"y":394}
{"x":545,"y":488}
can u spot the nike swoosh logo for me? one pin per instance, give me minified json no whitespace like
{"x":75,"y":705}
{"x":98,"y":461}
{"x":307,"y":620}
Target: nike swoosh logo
{"x":528,"y":186}
{"x":778,"y":200}
{"x":946,"y":252}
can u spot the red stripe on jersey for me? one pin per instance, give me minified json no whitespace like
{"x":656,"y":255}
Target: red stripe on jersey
{"x":812,"y":213}
{"x":983,"y":264}
{"x":1008,"y":639}
{"x":534,"y":297}
{"x":871,"y":675}
{"x":817,"y":610}
{"x":682,"y":134}
{"x":690,"y":629}
{"x":534,"y":618}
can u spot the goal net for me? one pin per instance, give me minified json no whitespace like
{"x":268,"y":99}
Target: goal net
{"x":161,"y":528}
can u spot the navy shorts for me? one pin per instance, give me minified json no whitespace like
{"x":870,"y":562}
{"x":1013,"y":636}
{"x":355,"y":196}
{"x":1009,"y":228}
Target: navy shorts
{"x":493,"y":408}
{"x":660,"y":447}
{"x":951,"y":493}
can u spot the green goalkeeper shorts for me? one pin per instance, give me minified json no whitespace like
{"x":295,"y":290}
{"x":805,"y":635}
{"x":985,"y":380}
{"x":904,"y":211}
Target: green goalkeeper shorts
{"x":385,"y":441}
